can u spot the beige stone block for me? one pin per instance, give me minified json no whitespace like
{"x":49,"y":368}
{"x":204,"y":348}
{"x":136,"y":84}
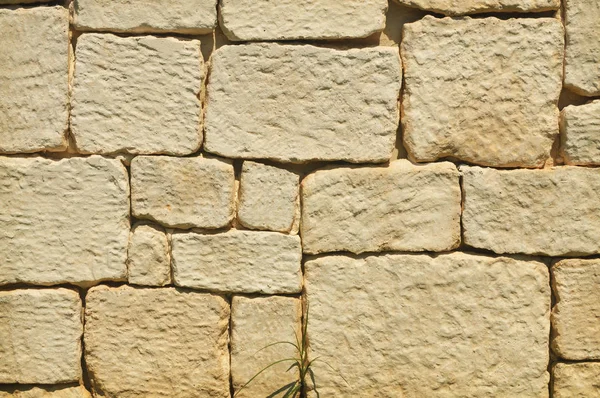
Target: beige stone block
{"x":552,"y":212}
{"x":576,"y":315}
{"x":63,"y":221}
{"x":297,"y":103}
{"x":34,"y":102}
{"x":402,"y":207}
{"x":461,"y":7}
{"x":149,"y":260}
{"x":40,"y":336}
{"x":183,"y":192}
{"x":238,"y":262}
{"x":576,"y":380}
{"x":269,"y":198}
{"x":137,"y":95}
{"x":580,"y":134}
{"x":454,"y":325}
{"x":156,"y":342}
{"x":488,"y":99}
{"x":140,"y":16}
{"x":255,"y":324}
{"x":46,"y":392}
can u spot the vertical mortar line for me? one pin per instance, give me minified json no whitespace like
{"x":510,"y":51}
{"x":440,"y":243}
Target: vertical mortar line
{"x":229,"y":298}
{"x":552,"y":359}
{"x":85,"y":377}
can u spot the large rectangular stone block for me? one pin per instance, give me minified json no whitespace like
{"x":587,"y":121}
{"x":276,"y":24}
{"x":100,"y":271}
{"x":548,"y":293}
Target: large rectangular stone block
{"x":297,"y":103}
{"x":461,"y":7}
{"x":46,"y":392}
{"x":580,"y":134}
{"x":576,"y":380}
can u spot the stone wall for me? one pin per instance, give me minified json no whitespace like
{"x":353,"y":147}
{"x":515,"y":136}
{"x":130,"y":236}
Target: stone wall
{"x":180,"y":180}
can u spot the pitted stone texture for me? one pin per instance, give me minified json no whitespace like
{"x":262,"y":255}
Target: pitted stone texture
{"x":552,"y":212}
{"x":34,"y":79}
{"x":46,"y":392}
{"x":238,"y":262}
{"x":149,"y":262}
{"x":269,"y":197}
{"x":576,"y":380}
{"x":256,"y":323}
{"x":489,"y":99}
{"x":156,"y":342}
{"x":461,"y":7}
{"x":63,"y":221}
{"x":402,"y":207}
{"x":137,"y":95}
{"x":582,"y":70}
{"x":40,"y":339}
{"x":183,"y":192}
{"x":301,"y":19}
{"x":576,"y":315}
{"x":580,"y":137}
{"x":297,"y":103}
{"x":455,"y":325}
{"x":180,"y":16}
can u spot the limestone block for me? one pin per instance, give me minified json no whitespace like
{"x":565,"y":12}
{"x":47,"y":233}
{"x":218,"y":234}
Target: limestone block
{"x":23,"y":1}
{"x":576,"y":380}
{"x":269,"y":197}
{"x":580,"y":134}
{"x":582,"y":72}
{"x":46,"y":392}
{"x":183,"y":192}
{"x":402,"y":207}
{"x":238,"y":262}
{"x":63,"y":221}
{"x":461,"y":7}
{"x":301,"y":19}
{"x":40,"y":333}
{"x":255,"y":324}
{"x":575,"y":316}
{"x":179,"y":16}
{"x":156,"y":342}
{"x":489,"y":99}
{"x":297,"y":103}
{"x":149,"y":262}
{"x":137,"y":95}
{"x":454,"y":325}
{"x":34,"y":79}
{"x":552,"y":212}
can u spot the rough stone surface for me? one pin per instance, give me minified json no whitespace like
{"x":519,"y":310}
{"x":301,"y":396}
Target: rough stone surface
{"x":297,"y":103}
{"x":34,"y":54}
{"x":269,"y":197}
{"x":238,"y":261}
{"x":455,"y":325}
{"x":582,"y":72}
{"x":63,"y":221}
{"x":46,"y":392}
{"x":576,"y":380}
{"x":580,"y":139}
{"x":180,"y":16}
{"x":551,"y":212}
{"x":149,"y":262}
{"x":156,"y":342}
{"x":576,"y":315}
{"x":461,"y":7}
{"x":489,"y":99}
{"x":301,"y":19}
{"x":402,"y":207}
{"x":183,"y":192}
{"x":137,"y":95}
{"x":40,"y":336}
{"x":256,"y":323}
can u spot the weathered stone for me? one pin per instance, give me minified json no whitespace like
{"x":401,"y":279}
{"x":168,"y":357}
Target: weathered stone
{"x":301,"y":19}
{"x":582,"y":73}
{"x":183,"y":192}
{"x":576,"y":380}
{"x":269,"y":197}
{"x":402,"y":207}
{"x":23,"y":1}
{"x":137,"y":95}
{"x":63,"y":221}
{"x":180,"y":16}
{"x":461,"y":7}
{"x":580,"y":139}
{"x":238,"y":262}
{"x":284,"y":102}
{"x":552,"y":212}
{"x":40,"y":336}
{"x":255,"y":324}
{"x":46,"y":392}
{"x":156,"y":342}
{"x":149,"y":262}
{"x":575,"y":316}
{"x":489,"y":99}
{"x":455,"y":325}
{"x":34,"y":79}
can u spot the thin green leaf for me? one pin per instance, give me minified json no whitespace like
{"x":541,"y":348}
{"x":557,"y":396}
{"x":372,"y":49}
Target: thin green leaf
{"x":277,"y":343}
{"x":262,"y":370}
{"x":282,"y":389}
{"x":312,"y":378}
